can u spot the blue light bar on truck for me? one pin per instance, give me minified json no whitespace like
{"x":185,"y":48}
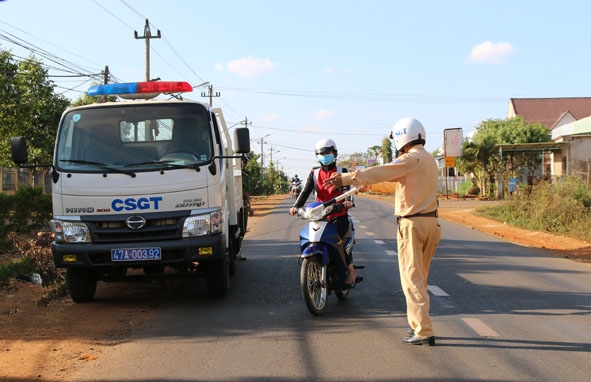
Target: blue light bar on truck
{"x":140,"y":88}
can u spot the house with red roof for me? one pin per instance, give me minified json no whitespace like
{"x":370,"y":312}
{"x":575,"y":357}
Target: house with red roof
{"x":569,"y":122}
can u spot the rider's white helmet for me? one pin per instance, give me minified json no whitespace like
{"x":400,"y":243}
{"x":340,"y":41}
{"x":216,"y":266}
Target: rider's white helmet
{"x":325,"y":145}
{"x":406,"y":131}
{"x":323,"y":150}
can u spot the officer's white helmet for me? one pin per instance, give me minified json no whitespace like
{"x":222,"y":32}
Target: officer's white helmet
{"x":407,"y":131}
{"x":325,"y":145}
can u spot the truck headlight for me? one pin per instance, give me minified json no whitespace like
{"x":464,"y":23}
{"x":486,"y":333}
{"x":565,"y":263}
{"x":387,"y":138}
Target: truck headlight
{"x":70,"y":232}
{"x":205,"y":224}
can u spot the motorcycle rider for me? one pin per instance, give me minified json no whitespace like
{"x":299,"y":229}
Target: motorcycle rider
{"x":326,"y":153}
{"x":295,"y":186}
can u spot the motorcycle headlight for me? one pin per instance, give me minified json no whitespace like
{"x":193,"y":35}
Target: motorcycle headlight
{"x":70,"y":232}
{"x":205,"y":224}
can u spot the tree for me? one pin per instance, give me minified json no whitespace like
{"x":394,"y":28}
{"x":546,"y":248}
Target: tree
{"x":251,"y":173}
{"x":386,"y":150}
{"x":29,"y":108}
{"x":480,"y":158}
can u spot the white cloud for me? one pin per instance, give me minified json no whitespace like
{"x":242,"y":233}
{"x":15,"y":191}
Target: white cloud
{"x":324,"y":114}
{"x":329,"y":70}
{"x":219,"y":67}
{"x":250,"y":66}
{"x":493,"y":53}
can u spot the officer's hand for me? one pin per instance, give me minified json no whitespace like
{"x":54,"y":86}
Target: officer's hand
{"x":293,"y":211}
{"x":348,"y":204}
{"x":335,"y":180}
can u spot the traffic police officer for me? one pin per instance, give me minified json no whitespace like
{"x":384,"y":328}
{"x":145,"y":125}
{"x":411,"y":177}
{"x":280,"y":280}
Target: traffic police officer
{"x":416,"y":176}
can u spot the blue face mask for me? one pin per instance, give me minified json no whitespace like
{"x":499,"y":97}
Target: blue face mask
{"x":325,"y":159}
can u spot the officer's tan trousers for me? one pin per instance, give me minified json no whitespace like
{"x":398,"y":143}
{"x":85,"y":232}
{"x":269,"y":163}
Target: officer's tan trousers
{"x":417,"y":241}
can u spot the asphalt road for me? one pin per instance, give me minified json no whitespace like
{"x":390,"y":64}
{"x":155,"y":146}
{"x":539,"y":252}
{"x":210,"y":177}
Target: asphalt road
{"x":501,"y":312}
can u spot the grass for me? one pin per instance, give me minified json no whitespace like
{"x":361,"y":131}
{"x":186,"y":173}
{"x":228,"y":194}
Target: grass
{"x":562,"y":207}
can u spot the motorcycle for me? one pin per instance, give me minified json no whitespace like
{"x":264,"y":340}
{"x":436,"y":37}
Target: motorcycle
{"x":296,"y":189}
{"x":322,"y":269}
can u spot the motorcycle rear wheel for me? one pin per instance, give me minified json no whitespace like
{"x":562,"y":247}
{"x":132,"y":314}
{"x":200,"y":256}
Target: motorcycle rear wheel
{"x":314,"y":288}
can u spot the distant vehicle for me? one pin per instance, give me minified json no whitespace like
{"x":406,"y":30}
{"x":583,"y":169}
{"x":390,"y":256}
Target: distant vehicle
{"x":296,"y":188}
{"x":145,"y":189}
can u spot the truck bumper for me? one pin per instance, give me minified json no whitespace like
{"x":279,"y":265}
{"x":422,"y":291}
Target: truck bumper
{"x":174,"y":253}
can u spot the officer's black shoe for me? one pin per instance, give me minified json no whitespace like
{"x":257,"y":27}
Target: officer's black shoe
{"x":418,"y":340}
{"x":409,"y":331}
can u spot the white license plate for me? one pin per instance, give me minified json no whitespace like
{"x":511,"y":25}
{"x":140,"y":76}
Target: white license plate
{"x":136,"y":254}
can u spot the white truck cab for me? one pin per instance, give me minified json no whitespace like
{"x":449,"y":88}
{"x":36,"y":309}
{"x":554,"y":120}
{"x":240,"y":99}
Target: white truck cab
{"x":145,"y":188}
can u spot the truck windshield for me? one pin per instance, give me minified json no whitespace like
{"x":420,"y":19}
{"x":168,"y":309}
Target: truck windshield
{"x":129,"y":136}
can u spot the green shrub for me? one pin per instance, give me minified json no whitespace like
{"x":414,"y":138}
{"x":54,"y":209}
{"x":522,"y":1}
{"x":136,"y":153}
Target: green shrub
{"x":31,"y":208}
{"x":26,"y":210}
{"x":463,"y":188}
{"x":562,"y":207}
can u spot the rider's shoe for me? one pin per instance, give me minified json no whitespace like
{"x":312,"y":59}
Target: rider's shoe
{"x":351,"y":279}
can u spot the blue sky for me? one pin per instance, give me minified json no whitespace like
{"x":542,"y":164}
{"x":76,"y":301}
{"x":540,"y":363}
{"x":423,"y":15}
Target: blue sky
{"x":305,"y":70}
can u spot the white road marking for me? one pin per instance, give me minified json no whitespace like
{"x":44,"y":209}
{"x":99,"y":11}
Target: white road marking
{"x":436,"y":291}
{"x":362,"y":226}
{"x":391,"y":253}
{"x":480,"y":327}
{"x":382,"y":242}
{"x":370,"y":234}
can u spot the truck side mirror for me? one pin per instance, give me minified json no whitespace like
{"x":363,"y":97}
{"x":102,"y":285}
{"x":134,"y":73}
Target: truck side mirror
{"x":242,"y":140}
{"x":20,"y":155}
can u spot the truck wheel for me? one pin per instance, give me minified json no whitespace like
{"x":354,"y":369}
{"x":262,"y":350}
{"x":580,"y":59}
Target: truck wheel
{"x":218,"y":278}
{"x":81,"y":284}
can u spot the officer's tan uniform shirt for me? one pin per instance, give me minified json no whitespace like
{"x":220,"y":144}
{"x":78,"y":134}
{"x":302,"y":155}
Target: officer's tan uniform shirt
{"x":416,"y":176}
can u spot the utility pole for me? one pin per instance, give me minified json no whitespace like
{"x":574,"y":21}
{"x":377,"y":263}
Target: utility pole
{"x":106,"y":75}
{"x":246,"y":122}
{"x":210,"y":95}
{"x":262,"y":160}
{"x":147,"y":36}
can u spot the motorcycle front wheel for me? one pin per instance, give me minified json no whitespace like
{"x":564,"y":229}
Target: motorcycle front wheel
{"x":313,"y":283}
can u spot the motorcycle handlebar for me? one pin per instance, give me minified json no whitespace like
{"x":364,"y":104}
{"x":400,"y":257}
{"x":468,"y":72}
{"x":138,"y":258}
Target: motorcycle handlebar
{"x":333,"y":201}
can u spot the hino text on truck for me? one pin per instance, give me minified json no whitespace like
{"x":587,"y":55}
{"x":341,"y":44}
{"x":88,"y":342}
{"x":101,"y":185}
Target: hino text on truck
{"x":145,"y":188}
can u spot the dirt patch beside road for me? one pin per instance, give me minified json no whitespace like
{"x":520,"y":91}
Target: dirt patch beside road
{"x":49,"y":342}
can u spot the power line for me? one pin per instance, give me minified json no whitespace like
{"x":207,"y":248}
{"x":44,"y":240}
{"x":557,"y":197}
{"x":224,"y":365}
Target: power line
{"x":44,"y":41}
{"x":409,"y":98}
{"x":362,"y":134}
{"x":112,"y":14}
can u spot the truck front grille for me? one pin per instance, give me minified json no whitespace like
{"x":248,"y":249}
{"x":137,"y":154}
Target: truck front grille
{"x":114,"y":230}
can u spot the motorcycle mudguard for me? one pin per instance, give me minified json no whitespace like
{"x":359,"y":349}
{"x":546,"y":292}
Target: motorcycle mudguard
{"x":320,"y":249}
{"x":316,"y":249}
